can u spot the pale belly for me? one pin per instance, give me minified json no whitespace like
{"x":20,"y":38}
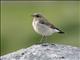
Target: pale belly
{"x":43,"y":29}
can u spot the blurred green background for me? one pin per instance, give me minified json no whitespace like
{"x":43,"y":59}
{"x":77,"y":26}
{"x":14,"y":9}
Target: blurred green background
{"x":16,"y":23}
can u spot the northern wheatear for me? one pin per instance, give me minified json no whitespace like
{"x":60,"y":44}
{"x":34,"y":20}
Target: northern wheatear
{"x":42,"y":26}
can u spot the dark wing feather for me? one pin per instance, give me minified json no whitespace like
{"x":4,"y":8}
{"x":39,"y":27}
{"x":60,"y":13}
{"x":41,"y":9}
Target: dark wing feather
{"x":45,"y":22}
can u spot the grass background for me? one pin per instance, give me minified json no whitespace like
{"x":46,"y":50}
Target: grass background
{"x":16,"y":23}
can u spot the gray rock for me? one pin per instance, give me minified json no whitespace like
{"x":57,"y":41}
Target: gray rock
{"x":45,"y":52}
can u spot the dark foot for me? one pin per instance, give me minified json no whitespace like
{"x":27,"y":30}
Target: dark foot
{"x":45,"y":44}
{"x":52,"y":44}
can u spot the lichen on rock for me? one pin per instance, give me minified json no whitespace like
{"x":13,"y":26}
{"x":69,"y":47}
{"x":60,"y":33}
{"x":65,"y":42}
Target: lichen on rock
{"x":45,"y":51}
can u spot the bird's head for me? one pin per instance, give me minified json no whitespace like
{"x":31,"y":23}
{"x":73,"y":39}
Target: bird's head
{"x":37,"y":15}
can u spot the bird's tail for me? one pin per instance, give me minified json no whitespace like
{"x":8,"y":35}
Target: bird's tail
{"x":61,"y":32}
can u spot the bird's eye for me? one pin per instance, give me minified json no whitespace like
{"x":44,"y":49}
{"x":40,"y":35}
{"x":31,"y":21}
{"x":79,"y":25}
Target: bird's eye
{"x":37,"y":16}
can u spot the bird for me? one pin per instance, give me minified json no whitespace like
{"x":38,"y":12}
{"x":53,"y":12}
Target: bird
{"x":43,"y":27}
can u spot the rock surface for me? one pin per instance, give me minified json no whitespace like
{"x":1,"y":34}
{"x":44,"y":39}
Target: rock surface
{"x":45,"y":52}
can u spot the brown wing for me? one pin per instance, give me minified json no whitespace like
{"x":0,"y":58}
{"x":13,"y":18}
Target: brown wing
{"x":45,"y":22}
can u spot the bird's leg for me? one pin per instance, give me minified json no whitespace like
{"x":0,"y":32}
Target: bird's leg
{"x":41,"y":41}
{"x":45,"y":39}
